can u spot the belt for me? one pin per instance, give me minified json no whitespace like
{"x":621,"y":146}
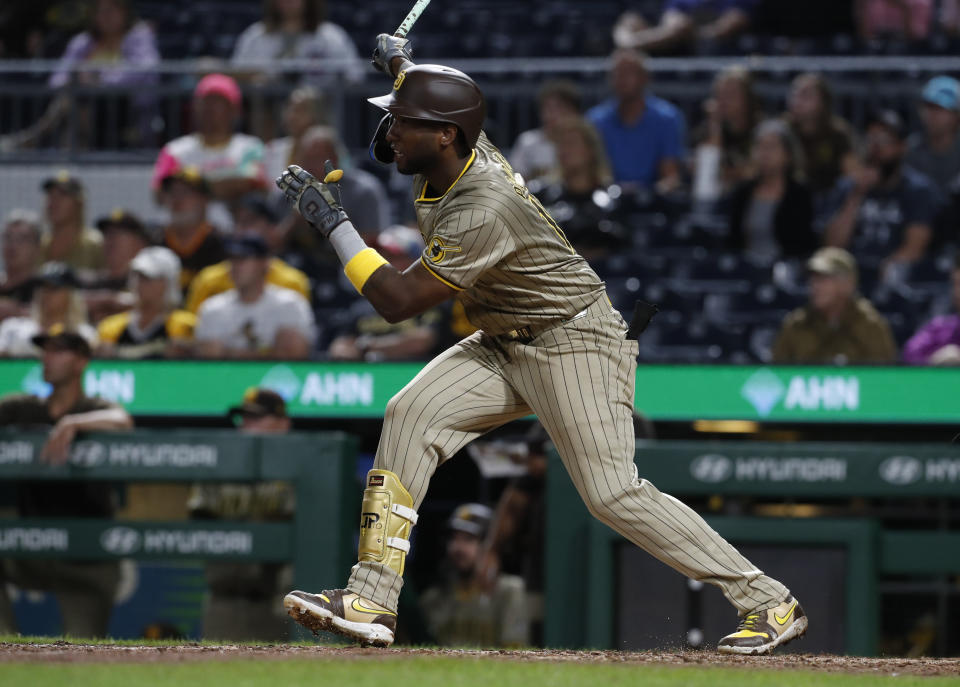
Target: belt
{"x":528,"y":333}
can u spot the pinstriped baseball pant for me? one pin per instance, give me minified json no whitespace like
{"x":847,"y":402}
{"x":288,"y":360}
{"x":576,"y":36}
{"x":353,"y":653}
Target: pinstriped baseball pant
{"x":578,"y":378}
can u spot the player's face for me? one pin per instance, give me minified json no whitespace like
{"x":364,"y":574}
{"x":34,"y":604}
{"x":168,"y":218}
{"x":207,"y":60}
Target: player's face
{"x":769,"y":154}
{"x":731,"y":99}
{"x":828,"y":291}
{"x":54,"y":302}
{"x":464,"y":551}
{"x":415,"y":144}
{"x":247,"y":272}
{"x":883,"y":148}
{"x":939,"y":121}
{"x":300,"y":114}
{"x":187,"y":206}
{"x":804,"y":101}
{"x":119,"y":248}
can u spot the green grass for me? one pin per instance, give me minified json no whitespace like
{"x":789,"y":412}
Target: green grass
{"x":425,"y":672}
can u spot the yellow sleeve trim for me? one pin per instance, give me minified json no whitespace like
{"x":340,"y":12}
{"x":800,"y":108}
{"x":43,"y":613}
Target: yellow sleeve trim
{"x":362,"y":266}
{"x":110,"y":328}
{"x":448,"y":283}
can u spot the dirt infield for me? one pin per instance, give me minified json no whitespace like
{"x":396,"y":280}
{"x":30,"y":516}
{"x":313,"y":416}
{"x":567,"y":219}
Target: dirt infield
{"x":65,"y":652}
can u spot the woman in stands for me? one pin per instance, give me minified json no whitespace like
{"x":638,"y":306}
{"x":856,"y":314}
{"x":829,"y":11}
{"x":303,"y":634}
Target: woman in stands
{"x":771,"y":214}
{"x":580,"y":200}
{"x":724,"y":138}
{"x":826,"y":138}
{"x":298,"y":30}
{"x":124,"y":50}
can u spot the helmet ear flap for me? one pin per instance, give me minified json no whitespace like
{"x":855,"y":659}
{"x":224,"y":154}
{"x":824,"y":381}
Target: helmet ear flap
{"x":380,"y":151}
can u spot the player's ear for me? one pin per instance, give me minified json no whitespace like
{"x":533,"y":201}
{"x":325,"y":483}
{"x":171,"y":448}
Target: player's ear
{"x":448,"y":135}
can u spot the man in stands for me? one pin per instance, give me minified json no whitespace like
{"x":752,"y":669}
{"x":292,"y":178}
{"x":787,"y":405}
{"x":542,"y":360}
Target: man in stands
{"x":643,"y":134}
{"x":155,"y":327}
{"x":22,"y":253}
{"x":255,"y":216}
{"x":837,"y":326}
{"x":254,"y":319}
{"x":887,"y":210}
{"x":68,"y":240}
{"x":84,"y":589}
{"x":185,"y":194}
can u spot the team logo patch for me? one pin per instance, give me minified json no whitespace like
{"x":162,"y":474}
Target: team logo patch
{"x":399,"y":82}
{"x":437,"y":249}
{"x":375,"y":481}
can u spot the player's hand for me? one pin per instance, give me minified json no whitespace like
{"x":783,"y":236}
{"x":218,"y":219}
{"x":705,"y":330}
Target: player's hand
{"x":314,"y":200}
{"x":56,"y":450}
{"x":389,"y":47}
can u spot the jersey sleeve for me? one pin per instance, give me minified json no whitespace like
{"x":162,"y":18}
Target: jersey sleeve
{"x":110,"y":328}
{"x":465,"y":244}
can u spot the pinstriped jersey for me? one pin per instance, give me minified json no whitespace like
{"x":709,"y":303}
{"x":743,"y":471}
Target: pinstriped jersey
{"x":490,"y":239}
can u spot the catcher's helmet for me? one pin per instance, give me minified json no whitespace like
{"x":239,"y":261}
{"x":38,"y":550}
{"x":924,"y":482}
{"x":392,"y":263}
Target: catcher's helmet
{"x":437,"y":94}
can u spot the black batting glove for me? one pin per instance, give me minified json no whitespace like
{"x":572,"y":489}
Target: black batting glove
{"x":314,"y":199}
{"x":389,"y":47}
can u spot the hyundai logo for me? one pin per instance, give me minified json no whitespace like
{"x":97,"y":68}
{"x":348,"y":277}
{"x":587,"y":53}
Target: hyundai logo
{"x":711,"y":467}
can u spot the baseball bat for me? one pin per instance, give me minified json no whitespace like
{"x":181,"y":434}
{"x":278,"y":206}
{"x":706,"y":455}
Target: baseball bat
{"x":418,"y":7}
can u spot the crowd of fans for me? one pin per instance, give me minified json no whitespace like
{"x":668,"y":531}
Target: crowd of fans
{"x":726,"y":222}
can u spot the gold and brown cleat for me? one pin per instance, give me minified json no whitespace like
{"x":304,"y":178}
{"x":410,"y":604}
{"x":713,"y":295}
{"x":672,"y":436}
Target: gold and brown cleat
{"x":344,"y":613}
{"x":760,"y":632}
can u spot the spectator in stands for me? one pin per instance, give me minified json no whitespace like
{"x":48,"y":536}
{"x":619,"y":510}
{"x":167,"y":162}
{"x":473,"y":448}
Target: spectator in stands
{"x":124,"y":235}
{"x":837,"y":326}
{"x":22,"y":253}
{"x":365,"y":335}
{"x":361,"y":193}
{"x":255,"y":319}
{"x":56,"y":303}
{"x":938,"y":341}
{"x":127,"y":50}
{"x":579,"y":201}
{"x":936,"y":151}
{"x":243,"y":602}
{"x":230,"y":162}
{"x":461,"y":612}
{"x":534,"y":154}
{"x":888,"y":209}
{"x":685,"y":25}
{"x":253,"y":216}
{"x":304,"y":109}
{"x":724,"y":138}
{"x":84,"y":589}
{"x":898,"y":19}
{"x":155,"y":327}
{"x":826,"y":138}
{"x":643,"y":134}
{"x":68,"y":240}
{"x":185,"y":194}
{"x":771,"y":214}
{"x":298,"y":30}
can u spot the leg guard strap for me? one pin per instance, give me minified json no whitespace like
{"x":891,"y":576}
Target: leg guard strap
{"x":387,"y":517}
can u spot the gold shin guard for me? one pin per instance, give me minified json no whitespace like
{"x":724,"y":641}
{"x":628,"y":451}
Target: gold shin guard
{"x":386,"y":518}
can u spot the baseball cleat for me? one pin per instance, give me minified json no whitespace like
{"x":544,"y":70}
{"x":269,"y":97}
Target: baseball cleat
{"x":761,"y":632}
{"x":344,"y":613}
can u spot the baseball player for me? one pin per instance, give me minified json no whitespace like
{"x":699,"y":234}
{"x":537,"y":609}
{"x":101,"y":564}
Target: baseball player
{"x":548,"y":342}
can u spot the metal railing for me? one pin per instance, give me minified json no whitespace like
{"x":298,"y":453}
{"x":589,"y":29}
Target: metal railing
{"x":118,"y":124}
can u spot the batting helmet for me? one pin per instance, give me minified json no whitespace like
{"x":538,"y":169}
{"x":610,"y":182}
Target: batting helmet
{"x":437,"y":94}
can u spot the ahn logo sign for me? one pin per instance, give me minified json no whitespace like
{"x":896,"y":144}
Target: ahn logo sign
{"x":765,"y":391}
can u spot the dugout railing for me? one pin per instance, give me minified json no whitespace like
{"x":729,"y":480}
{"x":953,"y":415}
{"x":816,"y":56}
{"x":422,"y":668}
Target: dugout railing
{"x":317,"y":540}
{"x":582,"y":554}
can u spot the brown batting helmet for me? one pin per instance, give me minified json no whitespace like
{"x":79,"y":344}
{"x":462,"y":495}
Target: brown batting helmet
{"x":437,"y":94}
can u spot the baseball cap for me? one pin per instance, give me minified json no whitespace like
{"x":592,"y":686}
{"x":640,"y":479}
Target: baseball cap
{"x":889,"y":120}
{"x":189,"y":175}
{"x":123,"y":219}
{"x":65,"y":181}
{"x":472,"y":518}
{"x":249,"y":246}
{"x":261,"y":402}
{"x":218,"y":84}
{"x":56,"y":274}
{"x":155,"y":262}
{"x":833,"y":262}
{"x":64,"y":340}
{"x":943,"y":91}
